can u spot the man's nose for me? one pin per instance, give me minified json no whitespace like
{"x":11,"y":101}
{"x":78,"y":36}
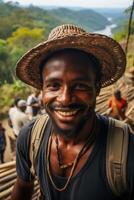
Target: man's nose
{"x":65,"y":97}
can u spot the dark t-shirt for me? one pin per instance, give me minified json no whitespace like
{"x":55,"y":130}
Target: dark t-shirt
{"x":89,"y":183}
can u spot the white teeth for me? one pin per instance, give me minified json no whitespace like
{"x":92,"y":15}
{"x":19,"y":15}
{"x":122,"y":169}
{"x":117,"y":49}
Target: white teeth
{"x":67,"y":113}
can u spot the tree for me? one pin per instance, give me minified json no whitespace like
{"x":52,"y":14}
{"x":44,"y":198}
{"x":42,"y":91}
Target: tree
{"x":6,"y":73}
{"x":25,"y":38}
{"x":22,"y":40}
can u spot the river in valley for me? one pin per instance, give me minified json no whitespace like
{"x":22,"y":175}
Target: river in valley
{"x":107,"y":30}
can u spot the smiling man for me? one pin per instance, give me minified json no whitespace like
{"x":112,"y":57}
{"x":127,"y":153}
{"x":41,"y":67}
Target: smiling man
{"x":73,"y":159}
{"x":69,"y":90}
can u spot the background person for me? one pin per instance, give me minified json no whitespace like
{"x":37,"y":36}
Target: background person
{"x":12,"y":110}
{"x":33,"y":104}
{"x":118,"y":105}
{"x":2,"y":142}
{"x":19,"y":118}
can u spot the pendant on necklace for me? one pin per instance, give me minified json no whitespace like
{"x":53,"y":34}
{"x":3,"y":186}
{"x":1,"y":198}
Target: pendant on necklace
{"x":65,"y":166}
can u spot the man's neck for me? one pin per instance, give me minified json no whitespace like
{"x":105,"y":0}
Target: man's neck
{"x":82,"y":135}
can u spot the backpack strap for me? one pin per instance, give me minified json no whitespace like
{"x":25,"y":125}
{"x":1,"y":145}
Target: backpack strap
{"x":116,"y":156}
{"x":37,"y":134}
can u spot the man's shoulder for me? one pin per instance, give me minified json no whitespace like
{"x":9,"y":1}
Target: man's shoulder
{"x":121,"y":124}
{"x":25,"y":131}
{"x":106,"y":121}
{"x":125,"y":128}
{"x":12,"y":110}
{"x":103,"y":120}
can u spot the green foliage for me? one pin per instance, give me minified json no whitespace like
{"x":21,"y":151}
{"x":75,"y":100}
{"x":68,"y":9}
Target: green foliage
{"x":132,"y":27}
{"x":8,"y":21}
{"x":13,"y":17}
{"x":9,"y":92}
{"x":120,"y":32}
{"x":15,"y":54}
{"x":14,"y":47}
{"x":119,"y":36}
{"x":20,"y":89}
{"x":25,"y":38}
{"x":5,"y":71}
{"x":3,"y":50}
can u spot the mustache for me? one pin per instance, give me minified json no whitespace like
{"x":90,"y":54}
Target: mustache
{"x":73,"y":106}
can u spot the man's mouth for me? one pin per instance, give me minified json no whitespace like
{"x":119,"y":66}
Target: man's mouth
{"x":70,"y":113}
{"x":66,"y":114}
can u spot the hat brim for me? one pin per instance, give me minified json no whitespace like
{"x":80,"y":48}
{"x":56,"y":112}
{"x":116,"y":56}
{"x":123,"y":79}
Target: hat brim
{"x":105,"y":49}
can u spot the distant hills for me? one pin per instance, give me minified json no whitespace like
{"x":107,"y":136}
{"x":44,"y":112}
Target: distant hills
{"x":106,"y":12}
{"x":111,"y":12}
{"x":87,"y":18}
{"x":93,"y":19}
{"x":13,"y":16}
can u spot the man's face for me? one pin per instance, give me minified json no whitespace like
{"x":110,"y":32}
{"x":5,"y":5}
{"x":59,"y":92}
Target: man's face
{"x":69,"y":92}
{"x":23,"y":108}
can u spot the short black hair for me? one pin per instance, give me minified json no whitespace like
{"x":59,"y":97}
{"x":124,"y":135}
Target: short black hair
{"x":92,"y":59}
{"x":117,"y":94}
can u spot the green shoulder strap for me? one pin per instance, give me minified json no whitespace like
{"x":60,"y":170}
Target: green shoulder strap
{"x":116,"y":156}
{"x":36,"y":139}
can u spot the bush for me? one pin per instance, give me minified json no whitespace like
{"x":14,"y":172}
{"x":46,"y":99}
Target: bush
{"x":9,"y":92}
{"x":119,"y":36}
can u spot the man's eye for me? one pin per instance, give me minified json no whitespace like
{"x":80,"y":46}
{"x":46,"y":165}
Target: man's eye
{"x":53,"y":86}
{"x":81,"y":87}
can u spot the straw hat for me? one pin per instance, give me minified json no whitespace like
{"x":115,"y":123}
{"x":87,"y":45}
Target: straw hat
{"x":105,"y":49}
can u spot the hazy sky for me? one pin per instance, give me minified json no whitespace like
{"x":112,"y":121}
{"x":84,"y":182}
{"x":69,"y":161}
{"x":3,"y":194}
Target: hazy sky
{"x":80,"y":3}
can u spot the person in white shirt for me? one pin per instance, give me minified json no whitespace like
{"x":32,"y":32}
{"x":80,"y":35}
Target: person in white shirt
{"x":33,"y":104}
{"x":12,"y":110}
{"x":19,"y":117}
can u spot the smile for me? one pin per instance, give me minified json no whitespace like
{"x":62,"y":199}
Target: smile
{"x":66,"y":113}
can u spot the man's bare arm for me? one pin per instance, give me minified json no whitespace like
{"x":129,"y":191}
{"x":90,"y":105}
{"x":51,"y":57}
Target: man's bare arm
{"x":22,"y":190}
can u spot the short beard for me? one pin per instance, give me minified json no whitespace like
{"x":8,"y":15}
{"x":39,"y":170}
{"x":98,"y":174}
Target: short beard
{"x":72,"y":132}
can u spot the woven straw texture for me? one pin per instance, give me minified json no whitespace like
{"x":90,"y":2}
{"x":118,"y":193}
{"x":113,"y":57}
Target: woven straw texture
{"x":107,"y":50}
